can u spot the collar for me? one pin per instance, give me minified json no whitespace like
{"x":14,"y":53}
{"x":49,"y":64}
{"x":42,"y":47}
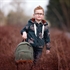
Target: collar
{"x":43,"y":21}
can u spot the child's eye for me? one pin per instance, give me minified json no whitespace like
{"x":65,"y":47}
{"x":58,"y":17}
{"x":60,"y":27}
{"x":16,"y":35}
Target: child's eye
{"x":39,"y":14}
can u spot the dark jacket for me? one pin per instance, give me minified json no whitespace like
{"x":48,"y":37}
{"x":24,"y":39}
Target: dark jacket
{"x":35,"y":36}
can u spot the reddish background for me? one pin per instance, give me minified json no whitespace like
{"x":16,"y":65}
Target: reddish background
{"x":58,"y":59}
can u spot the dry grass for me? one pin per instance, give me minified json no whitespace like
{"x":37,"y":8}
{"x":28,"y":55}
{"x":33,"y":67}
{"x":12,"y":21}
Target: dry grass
{"x":58,"y":59}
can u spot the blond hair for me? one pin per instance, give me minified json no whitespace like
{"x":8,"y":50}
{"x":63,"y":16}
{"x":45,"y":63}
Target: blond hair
{"x":38,"y":8}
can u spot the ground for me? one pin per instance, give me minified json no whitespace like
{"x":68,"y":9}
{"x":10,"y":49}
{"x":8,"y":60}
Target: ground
{"x":57,"y":59}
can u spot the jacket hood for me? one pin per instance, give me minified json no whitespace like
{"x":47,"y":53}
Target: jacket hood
{"x":33,"y":20}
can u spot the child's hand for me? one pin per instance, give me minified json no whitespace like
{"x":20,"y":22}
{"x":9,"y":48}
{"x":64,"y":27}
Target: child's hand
{"x":47,"y":51}
{"x":24,"y":36}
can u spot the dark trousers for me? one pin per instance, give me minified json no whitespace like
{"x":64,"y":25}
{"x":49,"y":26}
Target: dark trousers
{"x":37,"y":54}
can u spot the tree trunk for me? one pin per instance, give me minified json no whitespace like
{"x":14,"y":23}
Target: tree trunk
{"x":60,"y":18}
{"x":65,"y":12}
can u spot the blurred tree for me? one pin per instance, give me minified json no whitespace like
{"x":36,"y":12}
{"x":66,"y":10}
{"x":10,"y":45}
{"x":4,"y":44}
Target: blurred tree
{"x":58,"y":13}
{"x":17,"y":17}
{"x":18,"y":5}
{"x":65,"y":9}
{"x":0,"y":4}
{"x":2,"y":18}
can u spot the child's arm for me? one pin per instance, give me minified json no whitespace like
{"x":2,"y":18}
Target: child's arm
{"x":24,"y":31}
{"x":47,"y":39}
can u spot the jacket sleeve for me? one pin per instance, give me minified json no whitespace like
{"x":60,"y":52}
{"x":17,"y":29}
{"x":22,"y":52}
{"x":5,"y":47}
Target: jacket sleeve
{"x":47,"y":37}
{"x":26,"y":28}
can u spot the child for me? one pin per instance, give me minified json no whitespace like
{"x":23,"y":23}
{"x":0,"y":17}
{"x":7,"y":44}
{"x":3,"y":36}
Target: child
{"x":36,"y":33}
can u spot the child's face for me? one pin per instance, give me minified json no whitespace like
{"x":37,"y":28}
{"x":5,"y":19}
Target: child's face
{"x":39,"y":15}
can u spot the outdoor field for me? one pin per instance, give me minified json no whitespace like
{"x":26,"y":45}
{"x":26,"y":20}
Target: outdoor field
{"x":58,"y":59}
